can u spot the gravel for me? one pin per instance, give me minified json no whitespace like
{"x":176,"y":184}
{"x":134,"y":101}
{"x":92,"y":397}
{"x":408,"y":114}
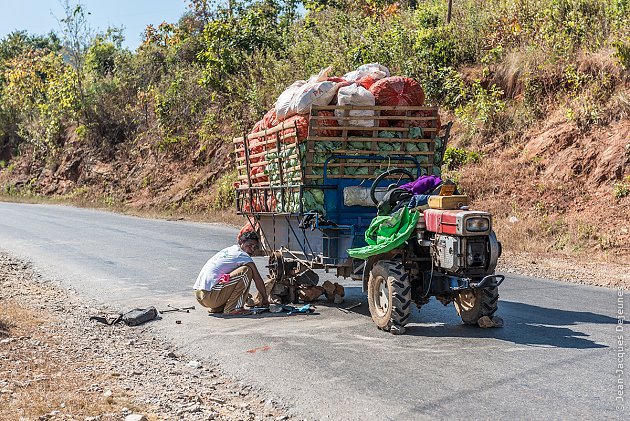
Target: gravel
{"x":565,"y":268}
{"x":156,"y":376}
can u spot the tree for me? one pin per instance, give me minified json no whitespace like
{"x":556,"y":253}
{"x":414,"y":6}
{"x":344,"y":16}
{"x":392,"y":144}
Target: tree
{"x":76,"y":38}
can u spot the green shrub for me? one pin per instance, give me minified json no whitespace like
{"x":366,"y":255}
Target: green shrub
{"x":445,"y":86}
{"x":621,"y":189}
{"x":482,"y":106}
{"x":455,"y":158}
{"x":225,"y":195}
{"x":622,"y":53}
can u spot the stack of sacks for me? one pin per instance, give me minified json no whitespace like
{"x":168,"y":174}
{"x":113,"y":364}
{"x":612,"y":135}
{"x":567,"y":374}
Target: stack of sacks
{"x":369,"y":85}
{"x":302,"y":94}
{"x":358,"y":94}
{"x":367,"y":74}
{"x":355,"y":95}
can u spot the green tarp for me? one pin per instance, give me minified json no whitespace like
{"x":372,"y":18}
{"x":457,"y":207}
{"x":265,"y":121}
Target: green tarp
{"x":385,"y":233}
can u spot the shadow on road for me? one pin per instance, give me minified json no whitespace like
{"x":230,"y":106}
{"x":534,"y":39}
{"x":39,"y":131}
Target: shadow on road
{"x":525,"y":324}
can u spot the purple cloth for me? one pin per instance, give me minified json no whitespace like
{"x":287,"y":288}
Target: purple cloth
{"x":423,"y":184}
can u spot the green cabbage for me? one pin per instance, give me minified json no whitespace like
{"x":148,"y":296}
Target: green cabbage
{"x":415,"y":132}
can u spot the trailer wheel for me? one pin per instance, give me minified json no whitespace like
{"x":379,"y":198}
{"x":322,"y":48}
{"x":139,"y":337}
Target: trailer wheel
{"x":473,"y":305}
{"x":389,"y":295}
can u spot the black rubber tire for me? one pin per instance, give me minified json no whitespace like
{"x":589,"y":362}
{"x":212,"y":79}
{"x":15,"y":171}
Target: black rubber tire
{"x":486,"y":303}
{"x":397,"y":310}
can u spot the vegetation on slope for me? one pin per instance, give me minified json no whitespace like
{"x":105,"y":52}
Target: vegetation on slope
{"x":539,"y":91}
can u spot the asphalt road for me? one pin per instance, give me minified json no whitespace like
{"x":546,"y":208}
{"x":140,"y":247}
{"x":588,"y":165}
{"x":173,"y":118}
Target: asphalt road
{"x":556,"y":358}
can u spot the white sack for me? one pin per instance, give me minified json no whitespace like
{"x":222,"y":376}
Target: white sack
{"x":321,"y":76}
{"x":377,"y":71}
{"x":321,"y":93}
{"x":355,"y":95}
{"x":296,"y":96}
{"x":283,"y":102}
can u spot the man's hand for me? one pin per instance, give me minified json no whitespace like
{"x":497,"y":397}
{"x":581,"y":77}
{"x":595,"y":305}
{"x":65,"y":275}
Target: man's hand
{"x":260,"y":285}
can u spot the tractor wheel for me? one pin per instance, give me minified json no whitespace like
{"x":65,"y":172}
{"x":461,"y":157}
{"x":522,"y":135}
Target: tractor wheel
{"x":389,"y":296}
{"x":473,"y":305}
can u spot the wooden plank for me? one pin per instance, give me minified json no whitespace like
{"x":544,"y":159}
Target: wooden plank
{"x":371,"y":107}
{"x":382,"y":117}
{"x":263,"y":154}
{"x":242,"y":159}
{"x":309,"y":142}
{"x":371,"y":139}
{"x":269,"y":142}
{"x":243,"y":177}
{"x":281,"y":126}
{"x":354,"y":151}
{"x":367,"y":164}
{"x":264,"y":133}
{"x":344,"y":141}
{"x":264,"y":163}
{"x":371,"y":128}
{"x":374,"y":145}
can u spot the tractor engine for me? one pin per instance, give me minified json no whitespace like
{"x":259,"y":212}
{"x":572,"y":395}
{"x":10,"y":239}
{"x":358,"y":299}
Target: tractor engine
{"x":462,"y":242}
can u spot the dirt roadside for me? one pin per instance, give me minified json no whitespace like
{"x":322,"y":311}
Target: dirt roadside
{"x":569,"y":269}
{"x":56,"y":364}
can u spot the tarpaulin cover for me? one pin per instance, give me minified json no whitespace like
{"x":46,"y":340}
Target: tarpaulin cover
{"x":387,"y":232}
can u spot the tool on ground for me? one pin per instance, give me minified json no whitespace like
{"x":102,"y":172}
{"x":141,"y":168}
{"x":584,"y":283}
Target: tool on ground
{"x":345,"y":309}
{"x":258,"y":310}
{"x":182,"y":309}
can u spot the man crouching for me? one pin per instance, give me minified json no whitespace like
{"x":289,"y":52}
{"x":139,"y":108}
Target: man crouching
{"x":223,"y":283}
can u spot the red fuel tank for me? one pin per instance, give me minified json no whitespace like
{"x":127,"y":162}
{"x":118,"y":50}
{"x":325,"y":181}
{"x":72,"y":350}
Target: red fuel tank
{"x":454,"y":222}
{"x":441,"y":221}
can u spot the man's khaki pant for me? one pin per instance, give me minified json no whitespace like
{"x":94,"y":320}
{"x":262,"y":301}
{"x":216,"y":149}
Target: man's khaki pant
{"x":231,"y":295}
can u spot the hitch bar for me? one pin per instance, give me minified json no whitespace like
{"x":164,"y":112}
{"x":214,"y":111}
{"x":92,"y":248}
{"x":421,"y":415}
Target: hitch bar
{"x":487,"y":280}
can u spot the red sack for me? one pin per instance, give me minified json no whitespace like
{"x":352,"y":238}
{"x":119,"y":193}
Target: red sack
{"x":258,"y":127}
{"x":329,"y":122}
{"x":419,"y":123}
{"x":367,"y":81}
{"x":272,"y":203}
{"x":302,"y":128}
{"x":257,"y":174}
{"x":336,"y":79}
{"x":397,"y":90}
{"x":256,"y":146}
{"x":269,"y":120}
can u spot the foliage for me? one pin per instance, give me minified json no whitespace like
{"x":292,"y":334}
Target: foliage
{"x":621,"y":189}
{"x":622,"y":53}
{"x":455,"y":158}
{"x":482,"y":106}
{"x":38,"y":88}
{"x":212,"y":74}
{"x":237,"y":34}
{"x":225,"y":195}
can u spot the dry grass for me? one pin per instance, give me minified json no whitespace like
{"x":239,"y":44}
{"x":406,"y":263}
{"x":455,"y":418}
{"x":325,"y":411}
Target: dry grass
{"x":559,"y":236}
{"x":38,"y":376}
